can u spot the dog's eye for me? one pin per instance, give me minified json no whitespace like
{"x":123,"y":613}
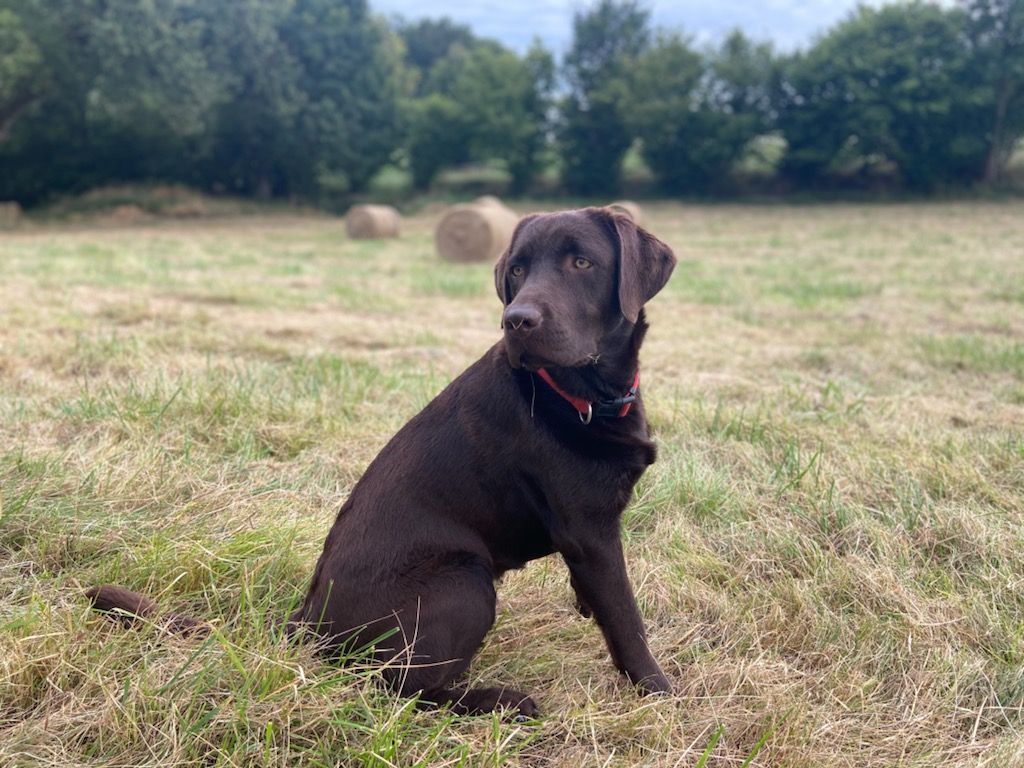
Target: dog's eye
{"x":517,"y":270}
{"x":582,"y":263}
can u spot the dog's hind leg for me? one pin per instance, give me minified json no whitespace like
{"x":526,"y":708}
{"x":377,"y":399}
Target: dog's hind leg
{"x":441,"y":631}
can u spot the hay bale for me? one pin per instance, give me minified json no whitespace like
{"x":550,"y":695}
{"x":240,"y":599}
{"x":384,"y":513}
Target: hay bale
{"x":10,"y":213}
{"x":371,"y":222}
{"x":477,"y":231}
{"x":489,"y":200}
{"x":630,"y":209}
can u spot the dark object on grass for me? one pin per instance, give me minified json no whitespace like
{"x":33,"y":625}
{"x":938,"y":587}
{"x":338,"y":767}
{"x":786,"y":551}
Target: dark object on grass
{"x":130,"y":607}
{"x":534,"y":449}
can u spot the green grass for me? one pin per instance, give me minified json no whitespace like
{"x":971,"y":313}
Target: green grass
{"x":827,"y":552}
{"x":976,"y":353}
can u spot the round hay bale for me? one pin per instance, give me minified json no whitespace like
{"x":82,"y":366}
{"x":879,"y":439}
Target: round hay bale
{"x":630,"y":209}
{"x":475,"y":232}
{"x":489,"y":200}
{"x":372,"y":222}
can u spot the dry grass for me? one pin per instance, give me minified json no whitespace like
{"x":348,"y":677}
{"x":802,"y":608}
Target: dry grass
{"x":829,"y":552}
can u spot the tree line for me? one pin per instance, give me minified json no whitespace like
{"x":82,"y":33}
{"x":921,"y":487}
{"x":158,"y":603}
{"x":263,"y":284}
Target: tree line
{"x":312,"y":98}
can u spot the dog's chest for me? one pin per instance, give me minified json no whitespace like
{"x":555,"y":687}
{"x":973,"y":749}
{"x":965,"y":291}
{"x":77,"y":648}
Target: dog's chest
{"x":539,"y":508}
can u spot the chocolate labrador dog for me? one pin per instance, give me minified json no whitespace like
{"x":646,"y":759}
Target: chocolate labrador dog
{"x":534,"y":449}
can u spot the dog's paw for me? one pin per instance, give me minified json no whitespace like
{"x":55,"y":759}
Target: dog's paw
{"x":523,"y":706}
{"x":655,"y":685}
{"x":511,"y":703}
{"x":516,"y":705}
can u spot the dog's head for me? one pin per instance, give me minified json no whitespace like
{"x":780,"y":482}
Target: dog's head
{"x":574,"y":280}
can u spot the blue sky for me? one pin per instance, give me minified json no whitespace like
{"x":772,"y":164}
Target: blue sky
{"x":788,"y":23}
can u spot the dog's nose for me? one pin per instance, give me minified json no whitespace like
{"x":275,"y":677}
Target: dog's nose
{"x":522,"y":319}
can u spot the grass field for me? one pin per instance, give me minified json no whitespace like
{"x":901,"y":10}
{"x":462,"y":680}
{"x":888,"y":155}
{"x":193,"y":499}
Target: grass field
{"x":829,"y":552}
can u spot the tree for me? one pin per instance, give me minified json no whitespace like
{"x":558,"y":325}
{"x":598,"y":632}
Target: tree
{"x":593,"y":135}
{"x":349,"y":72}
{"x":482,"y":102}
{"x":503,"y":101}
{"x":696,"y":115}
{"x":892,"y":86}
{"x":43,"y":141}
{"x":21,"y":69}
{"x":251,"y":148}
{"x":438,"y":137}
{"x":153,"y":91}
{"x":666,"y":113}
{"x":524,"y":158}
{"x":121,"y":90}
{"x":996,"y":29}
{"x":427,"y":41}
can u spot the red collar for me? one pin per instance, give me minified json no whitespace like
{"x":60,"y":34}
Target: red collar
{"x":619,"y":406}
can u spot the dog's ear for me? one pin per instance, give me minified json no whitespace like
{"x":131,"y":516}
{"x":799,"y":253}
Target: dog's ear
{"x":501,"y":277}
{"x":645,"y":264}
{"x":501,"y":266}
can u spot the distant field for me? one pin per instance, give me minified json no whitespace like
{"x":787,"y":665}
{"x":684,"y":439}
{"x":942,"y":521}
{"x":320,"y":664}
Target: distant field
{"x":829,"y":552}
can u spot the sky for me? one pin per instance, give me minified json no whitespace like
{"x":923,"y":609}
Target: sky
{"x":790,"y":24}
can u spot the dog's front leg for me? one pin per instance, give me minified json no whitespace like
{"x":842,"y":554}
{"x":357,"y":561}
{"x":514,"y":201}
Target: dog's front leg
{"x":598,"y":570}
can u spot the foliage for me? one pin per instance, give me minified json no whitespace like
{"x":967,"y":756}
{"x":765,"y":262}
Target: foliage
{"x":427,"y":41}
{"x":483,"y":103}
{"x":251,"y":95}
{"x":20,"y":69}
{"x":996,"y":30}
{"x":349,"y":73}
{"x":696,"y":115}
{"x":311,"y":98}
{"x":593,"y":134}
{"x":65,"y":134}
{"x":891,"y":86}
{"x":152,"y":77}
{"x":438,"y":137}
{"x":252,"y":148}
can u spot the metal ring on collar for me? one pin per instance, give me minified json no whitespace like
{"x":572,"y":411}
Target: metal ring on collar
{"x":590,"y":414}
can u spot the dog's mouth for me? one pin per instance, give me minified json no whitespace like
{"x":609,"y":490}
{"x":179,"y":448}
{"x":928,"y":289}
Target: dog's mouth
{"x":518,"y":357}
